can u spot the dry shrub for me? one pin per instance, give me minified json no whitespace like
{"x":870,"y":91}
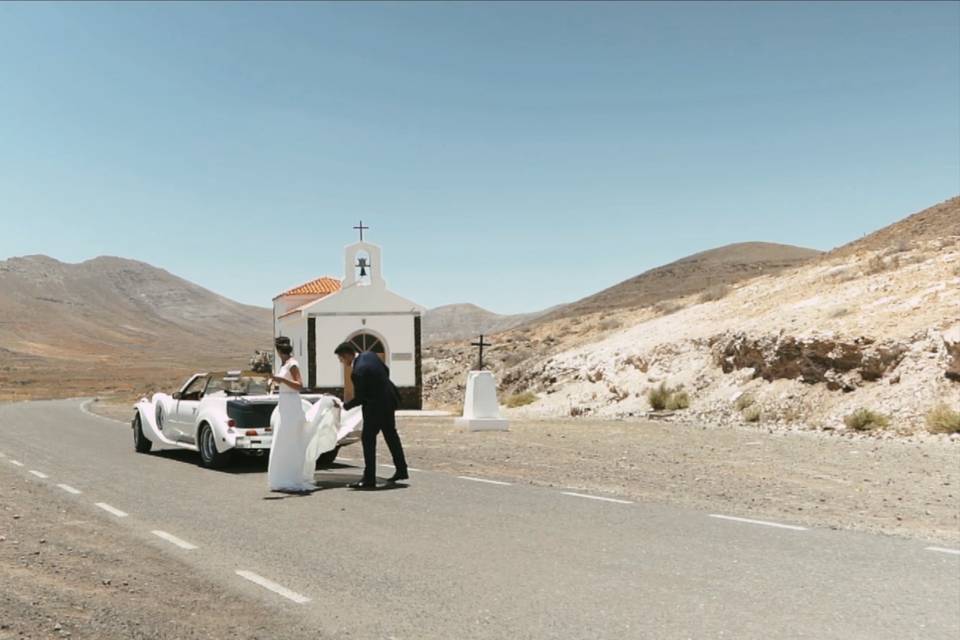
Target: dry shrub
{"x":839,"y":312}
{"x":752,"y":413}
{"x":864,"y":419}
{"x":875,"y":265}
{"x":715,"y":293}
{"x":744,"y":401}
{"x":678,"y":400}
{"x":956,"y":271}
{"x":520,"y":399}
{"x":663,"y":397}
{"x":943,"y":419}
{"x":609,"y":324}
{"x":637,"y":363}
{"x":666,"y":307}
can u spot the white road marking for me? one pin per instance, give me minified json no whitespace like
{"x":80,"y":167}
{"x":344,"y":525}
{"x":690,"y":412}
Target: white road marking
{"x":16,"y":463}
{"x":273,"y":586}
{"x":70,"y":489}
{"x":83,"y":407}
{"x":113,"y":510}
{"x":483,"y":480}
{"x":583,"y":495}
{"x":183,"y":544}
{"x":345,"y":459}
{"x":39,"y":474}
{"x":390,"y":466}
{"x":955,"y":552}
{"x":764,"y":523}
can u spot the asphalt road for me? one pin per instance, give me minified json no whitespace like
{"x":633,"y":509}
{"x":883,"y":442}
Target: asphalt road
{"x":451,"y":557}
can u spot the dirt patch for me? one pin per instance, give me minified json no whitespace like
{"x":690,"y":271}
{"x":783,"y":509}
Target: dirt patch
{"x":66,"y":574}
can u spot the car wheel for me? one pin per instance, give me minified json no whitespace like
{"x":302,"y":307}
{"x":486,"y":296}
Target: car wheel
{"x":141,"y":443}
{"x":326,"y":459}
{"x":209,"y":456}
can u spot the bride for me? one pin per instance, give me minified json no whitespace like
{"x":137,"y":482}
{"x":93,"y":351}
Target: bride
{"x":298,"y":438}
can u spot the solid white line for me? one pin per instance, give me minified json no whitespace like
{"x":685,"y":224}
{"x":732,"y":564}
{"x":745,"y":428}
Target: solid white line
{"x":273,"y":586}
{"x":183,"y":544}
{"x":583,"y":495}
{"x":483,"y":480}
{"x":955,"y":552}
{"x":16,"y":463}
{"x":83,"y":407}
{"x":39,"y":474}
{"x":70,"y":489}
{"x":113,"y":510}
{"x":764,"y":523}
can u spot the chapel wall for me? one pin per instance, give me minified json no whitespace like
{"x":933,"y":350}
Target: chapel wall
{"x":397,"y":331}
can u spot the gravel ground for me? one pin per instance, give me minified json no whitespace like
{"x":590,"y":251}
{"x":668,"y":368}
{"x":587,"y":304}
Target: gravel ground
{"x":905,"y":487}
{"x":67,"y":573}
{"x":901,"y":486}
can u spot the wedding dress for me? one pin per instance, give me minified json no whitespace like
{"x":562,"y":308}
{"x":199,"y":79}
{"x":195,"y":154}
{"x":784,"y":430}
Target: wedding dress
{"x":298,"y":437}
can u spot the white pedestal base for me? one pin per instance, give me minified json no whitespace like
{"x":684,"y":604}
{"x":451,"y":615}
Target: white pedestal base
{"x":482,"y":424}
{"x":481,"y":411}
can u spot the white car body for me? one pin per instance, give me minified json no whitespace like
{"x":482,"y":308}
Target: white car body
{"x":237,"y":421}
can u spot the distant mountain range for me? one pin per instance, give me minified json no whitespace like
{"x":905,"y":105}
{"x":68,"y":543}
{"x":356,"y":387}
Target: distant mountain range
{"x":77,"y":322}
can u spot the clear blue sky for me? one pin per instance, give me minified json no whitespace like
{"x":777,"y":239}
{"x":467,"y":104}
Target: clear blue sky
{"x":511,"y":155}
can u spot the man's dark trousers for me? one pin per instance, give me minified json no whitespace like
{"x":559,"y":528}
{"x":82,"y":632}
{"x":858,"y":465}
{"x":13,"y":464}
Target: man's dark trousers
{"x":374,"y":422}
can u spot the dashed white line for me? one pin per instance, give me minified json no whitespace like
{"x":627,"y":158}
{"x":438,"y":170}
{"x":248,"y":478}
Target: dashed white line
{"x":273,"y":586}
{"x":39,"y":474}
{"x":583,"y":495}
{"x":955,"y":552}
{"x":390,"y":466}
{"x":507,"y":484}
{"x":70,"y":489}
{"x":761,"y":522}
{"x":169,"y":537}
{"x":16,"y":463}
{"x":113,"y":510}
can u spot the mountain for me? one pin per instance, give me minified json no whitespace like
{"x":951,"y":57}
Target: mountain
{"x":104,"y":318}
{"x":694,"y":274}
{"x":463,"y":321}
{"x":939,"y":221}
{"x":871,"y":325}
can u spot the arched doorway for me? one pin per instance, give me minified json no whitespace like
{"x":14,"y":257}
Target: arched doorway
{"x":363,"y":341}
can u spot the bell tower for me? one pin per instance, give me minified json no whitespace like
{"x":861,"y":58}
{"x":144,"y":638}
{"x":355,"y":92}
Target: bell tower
{"x":362,"y":265}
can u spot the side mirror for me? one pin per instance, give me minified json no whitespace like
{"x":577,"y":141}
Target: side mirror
{"x":176,"y":395}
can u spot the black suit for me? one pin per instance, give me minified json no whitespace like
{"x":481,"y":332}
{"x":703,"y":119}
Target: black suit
{"x":373,"y":390}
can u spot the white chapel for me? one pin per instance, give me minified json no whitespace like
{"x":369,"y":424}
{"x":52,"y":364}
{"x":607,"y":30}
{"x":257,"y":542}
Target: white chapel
{"x":322,"y":313}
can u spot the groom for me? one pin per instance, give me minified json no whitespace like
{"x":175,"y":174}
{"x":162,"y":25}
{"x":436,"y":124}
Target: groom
{"x":373,"y":390}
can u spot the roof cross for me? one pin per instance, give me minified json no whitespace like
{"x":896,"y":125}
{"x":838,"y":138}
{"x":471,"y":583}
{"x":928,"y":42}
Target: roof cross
{"x":361,"y":228}
{"x":480,"y":344}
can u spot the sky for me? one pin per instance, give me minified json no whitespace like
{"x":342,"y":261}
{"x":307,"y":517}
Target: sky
{"x":512,"y":155}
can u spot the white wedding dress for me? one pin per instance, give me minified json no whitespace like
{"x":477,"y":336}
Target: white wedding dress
{"x":299,"y":437}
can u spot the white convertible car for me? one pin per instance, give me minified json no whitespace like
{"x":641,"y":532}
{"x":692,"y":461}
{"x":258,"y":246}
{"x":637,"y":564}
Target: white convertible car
{"x":217,"y":414}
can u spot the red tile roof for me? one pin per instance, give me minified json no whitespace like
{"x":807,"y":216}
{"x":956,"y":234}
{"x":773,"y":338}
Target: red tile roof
{"x":320,"y":287}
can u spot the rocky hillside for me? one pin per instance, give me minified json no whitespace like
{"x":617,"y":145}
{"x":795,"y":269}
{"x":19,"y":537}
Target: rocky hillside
{"x":875,"y":325}
{"x":64,"y":326}
{"x":694,"y":274}
{"x":464,"y":321}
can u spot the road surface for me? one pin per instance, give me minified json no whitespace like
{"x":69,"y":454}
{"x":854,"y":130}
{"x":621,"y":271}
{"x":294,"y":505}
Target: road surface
{"x":462,"y":557}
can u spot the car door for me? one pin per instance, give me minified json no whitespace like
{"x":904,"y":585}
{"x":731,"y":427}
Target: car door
{"x":185,"y":409}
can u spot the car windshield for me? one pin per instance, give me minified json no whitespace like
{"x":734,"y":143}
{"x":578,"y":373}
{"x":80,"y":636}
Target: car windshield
{"x":246,"y":383}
